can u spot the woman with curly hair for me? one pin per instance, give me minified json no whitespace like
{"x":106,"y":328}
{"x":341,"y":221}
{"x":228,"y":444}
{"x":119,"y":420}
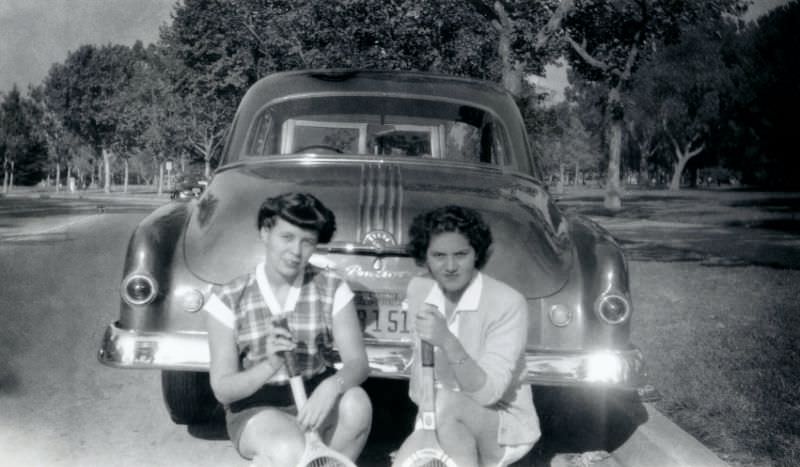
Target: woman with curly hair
{"x":478,"y":325}
{"x":248,"y":375}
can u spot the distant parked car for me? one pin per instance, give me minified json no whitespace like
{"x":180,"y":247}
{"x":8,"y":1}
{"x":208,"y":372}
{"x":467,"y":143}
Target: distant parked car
{"x":378,"y":148}
{"x":187,"y":187}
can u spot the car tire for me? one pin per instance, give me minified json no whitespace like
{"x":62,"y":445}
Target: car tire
{"x":188,"y":396}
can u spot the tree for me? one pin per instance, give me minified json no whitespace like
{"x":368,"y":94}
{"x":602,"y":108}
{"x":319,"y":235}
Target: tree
{"x":148,"y":115}
{"x":216,"y":63}
{"x":681,"y":90}
{"x":645,"y":133}
{"x":760,"y":133}
{"x":23,"y":150}
{"x":440,"y":36}
{"x":51,"y":130}
{"x":82,"y":91}
{"x":609,"y":39}
{"x":206,"y":66}
{"x":12,"y":135}
{"x":563,"y":141}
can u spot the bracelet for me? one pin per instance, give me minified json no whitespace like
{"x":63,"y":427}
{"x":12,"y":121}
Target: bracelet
{"x":460,"y":361}
{"x":339,"y":382}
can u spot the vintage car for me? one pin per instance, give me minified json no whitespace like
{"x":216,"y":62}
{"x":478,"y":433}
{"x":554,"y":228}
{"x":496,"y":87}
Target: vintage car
{"x":378,"y":148}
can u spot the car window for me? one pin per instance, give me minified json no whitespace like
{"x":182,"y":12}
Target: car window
{"x":378,"y":126}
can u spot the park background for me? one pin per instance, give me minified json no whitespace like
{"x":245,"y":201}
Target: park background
{"x":680,"y":111}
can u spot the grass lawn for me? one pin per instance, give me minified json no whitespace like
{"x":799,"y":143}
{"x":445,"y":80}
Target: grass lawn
{"x":723,"y":346}
{"x":722,"y":342}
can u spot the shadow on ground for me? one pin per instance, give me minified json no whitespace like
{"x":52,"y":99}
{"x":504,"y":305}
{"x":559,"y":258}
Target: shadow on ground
{"x":573,"y":421}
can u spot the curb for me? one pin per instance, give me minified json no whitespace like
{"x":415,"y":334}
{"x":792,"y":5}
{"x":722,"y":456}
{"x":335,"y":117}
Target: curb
{"x":151,"y":199}
{"x":661,"y":443}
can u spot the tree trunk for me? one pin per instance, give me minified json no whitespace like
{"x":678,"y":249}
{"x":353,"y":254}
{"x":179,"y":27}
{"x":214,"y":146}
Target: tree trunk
{"x":207,"y":170}
{"x":613,"y":195}
{"x":160,"y":177}
{"x":644,"y":155}
{"x":675,"y":182}
{"x":512,"y":69}
{"x":58,"y":177}
{"x":683,"y":156}
{"x":613,"y":199}
{"x":125,"y":183}
{"x":107,"y":170}
{"x":560,"y":184}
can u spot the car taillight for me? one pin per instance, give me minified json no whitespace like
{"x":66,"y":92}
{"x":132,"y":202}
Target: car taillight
{"x":613,"y":308}
{"x":139,"y":289}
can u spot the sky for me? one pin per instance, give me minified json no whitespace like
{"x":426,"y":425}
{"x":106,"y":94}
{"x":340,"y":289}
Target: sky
{"x":34,"y":34}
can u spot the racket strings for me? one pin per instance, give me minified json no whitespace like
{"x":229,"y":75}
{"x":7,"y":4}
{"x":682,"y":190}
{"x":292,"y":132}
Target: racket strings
{"x":326,"y":461}
{"x":428,"y":463}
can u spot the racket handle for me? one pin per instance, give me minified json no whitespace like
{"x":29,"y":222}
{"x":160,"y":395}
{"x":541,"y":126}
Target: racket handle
{"x":288,"y":357}
{"x":427,"y":354}
{"x":291,"y":363}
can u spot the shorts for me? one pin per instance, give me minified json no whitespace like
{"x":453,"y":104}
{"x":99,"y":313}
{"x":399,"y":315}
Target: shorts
{"x":276,"y":396}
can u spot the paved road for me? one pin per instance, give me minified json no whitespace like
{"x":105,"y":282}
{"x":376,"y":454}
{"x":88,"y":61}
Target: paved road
{"x":60,"y":265}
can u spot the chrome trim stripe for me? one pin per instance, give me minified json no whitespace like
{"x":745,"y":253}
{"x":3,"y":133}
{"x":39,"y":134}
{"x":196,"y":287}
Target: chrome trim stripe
{"x":380,"y":201}
{"x":189,"y":351}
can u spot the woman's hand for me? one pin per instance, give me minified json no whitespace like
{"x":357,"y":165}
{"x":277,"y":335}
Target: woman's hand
{"x":319,"y":405}
{"x":279,"y":340}
{"x":432,"y":327}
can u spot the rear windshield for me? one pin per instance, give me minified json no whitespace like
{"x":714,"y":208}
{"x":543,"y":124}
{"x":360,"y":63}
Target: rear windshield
{"x":379,"y":126}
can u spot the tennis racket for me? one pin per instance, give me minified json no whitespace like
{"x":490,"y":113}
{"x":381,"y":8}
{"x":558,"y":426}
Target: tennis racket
{"x":316,"y":453}
{"x":425,"y":451}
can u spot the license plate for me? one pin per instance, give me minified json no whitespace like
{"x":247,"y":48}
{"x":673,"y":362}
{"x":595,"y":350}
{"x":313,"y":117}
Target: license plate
{"x":382,"y":315}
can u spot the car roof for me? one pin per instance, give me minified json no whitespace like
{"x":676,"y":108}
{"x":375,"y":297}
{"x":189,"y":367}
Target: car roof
{"x":292,"y":84}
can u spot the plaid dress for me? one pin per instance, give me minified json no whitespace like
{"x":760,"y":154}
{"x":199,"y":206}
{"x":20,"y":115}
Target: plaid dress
{"x":310,"y":307}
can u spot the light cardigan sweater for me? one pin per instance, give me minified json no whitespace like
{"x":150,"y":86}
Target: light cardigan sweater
{"x":491,"y":322}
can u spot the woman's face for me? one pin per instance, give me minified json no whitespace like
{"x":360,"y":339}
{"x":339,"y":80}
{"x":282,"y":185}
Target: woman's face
{"x":451,"y":260}
{"x":288,"y":248}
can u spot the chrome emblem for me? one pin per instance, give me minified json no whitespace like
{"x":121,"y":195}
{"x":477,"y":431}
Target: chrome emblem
{"x":379,"y":239}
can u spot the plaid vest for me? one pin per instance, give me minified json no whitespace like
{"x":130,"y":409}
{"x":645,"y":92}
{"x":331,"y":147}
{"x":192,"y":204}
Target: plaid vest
{"x":310,"y":322}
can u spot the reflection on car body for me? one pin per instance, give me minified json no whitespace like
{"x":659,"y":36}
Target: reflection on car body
{"x":379,"y":148}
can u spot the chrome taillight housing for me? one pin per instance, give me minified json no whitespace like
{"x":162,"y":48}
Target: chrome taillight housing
{"x":139,"y":289}
{"x":560,"y":315}
{"x":612,"y":308}
{"x":192,"y":300}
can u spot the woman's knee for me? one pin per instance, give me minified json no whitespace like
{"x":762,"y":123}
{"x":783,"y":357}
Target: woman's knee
{"x":355,"y":408}
{"x":450,"y":406}
{"x":270,"y":438}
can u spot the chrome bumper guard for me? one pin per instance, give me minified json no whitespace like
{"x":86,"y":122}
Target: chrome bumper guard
{"x":613,"y":369}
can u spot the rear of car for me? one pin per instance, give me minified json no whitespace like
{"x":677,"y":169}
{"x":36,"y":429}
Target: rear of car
{"x":378,"y":148}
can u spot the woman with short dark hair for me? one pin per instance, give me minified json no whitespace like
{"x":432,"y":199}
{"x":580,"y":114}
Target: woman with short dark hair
{"x":478,"y":325}
{"x":247,"y":371}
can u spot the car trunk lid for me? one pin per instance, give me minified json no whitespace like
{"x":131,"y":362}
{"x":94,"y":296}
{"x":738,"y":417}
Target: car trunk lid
{"x":374,"y":201}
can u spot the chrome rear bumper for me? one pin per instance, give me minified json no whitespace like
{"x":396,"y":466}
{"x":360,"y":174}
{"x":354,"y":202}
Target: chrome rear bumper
{"x":613,"y":369}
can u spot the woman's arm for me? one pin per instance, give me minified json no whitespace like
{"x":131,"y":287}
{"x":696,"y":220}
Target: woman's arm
{"x":504,"y":342}
{"x":228,"y":382}
{"x":350,"y":342}
{"x":355,"y":368}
